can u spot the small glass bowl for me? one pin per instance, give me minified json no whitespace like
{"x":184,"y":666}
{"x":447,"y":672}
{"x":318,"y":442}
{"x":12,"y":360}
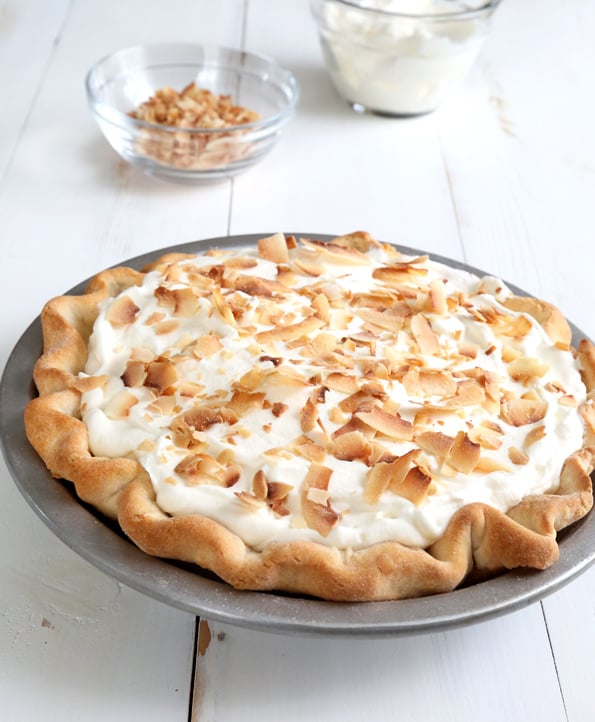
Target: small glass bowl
{"x":400,"y":57}
{"x":119,"y":83}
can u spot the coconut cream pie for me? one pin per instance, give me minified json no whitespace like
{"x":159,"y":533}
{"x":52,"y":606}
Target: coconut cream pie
{"x":330,"y":419}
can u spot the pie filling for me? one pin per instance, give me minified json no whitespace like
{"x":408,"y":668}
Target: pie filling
{"x":298,"y":390}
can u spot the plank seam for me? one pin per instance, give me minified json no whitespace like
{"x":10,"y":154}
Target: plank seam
{"x":549,"y":639}
{"x":453,"y":201}
{"x":191,"y":710}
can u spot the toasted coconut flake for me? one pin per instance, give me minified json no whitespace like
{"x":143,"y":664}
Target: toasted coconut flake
{"x":320,"y":517}
{"x":278,"y":409}
{"x":250,"y":381}
{"x":437,"y":297}
{"x":163,"y":405}
{"x":435,"y":442}
{"x":226,"y":457}
{"x":277,"y":497}
{"x":468,"y":349}
{"x":318,"y":496}
{"x":287,"y":376}
{"x":520,"y":412}
{"x":469,"y":393}
{"x":388,"y":475}
{"x":242,"y":402}
{"x":374,"y":368}
{"x":165,"y":327}
{"x":320,"y":304}
{"x":392,"y":425}
{"x":415,"y":485}
{"x":308,"y":416}
{"x":202,"y":417}
{"x":181,"y":301}
{"x":487,"y":438}
{"x":487,"y":465}
{"x":359,"y":240}
{"x":379,"y":453}
{"x":344,"y":383}
{"x":338,"y":253}
{"x":510,"y":353}
{"x":309,"y":449}
{"x":154,"y":318}
{"x":428,"y":382}
{"x":399,"y":273}
{"x":161,"y":375}
{"x":141,"y":354}
{"x":424,"y":335}
{"x":323,"y":344}
{"x":354,"y":425}
{"x":278,"y":490}
{"x":352,"y":446}
{"x":525,"y":369}
{"x":492,"y":385}
{"x":256,"y":286}
{"x":197,"y":469}
{"x":517,"y":456}
{"x":586,"y":358}
{"x":377,"y":481}
{"x":122,"y":311}
{"x":309,"y":264}
{"x":430,"y":415}
{"x":135,"y":374}
{"x":386,"y":319}
{"x":273,"y":248}
{"x":358,"y":400}
{"x":260,"y":487}
{"x":207,"y":345}
{"x":516,"y":327}
{"x":223,"y":309}
{"x":291,"y":332}
{"x":118,"y":407}
{"x":535,"y":434}
{"x":465,"y":454}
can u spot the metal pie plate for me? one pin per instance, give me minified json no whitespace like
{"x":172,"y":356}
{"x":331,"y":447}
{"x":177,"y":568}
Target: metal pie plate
{"x":103,"y":545}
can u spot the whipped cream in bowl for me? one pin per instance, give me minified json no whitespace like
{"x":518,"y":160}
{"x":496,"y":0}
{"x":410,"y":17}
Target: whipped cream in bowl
{"x":400,"y":57}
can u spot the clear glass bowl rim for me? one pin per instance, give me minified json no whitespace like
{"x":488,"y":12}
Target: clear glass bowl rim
{"x":487,"y":7}
{"x":123,"y":120}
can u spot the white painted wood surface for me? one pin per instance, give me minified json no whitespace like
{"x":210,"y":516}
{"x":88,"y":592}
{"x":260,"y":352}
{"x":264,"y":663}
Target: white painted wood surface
{"x":502,"y":176}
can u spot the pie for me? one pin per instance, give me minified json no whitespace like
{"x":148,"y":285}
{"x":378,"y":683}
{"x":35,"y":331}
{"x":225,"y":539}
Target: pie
{"x":332,"y":419}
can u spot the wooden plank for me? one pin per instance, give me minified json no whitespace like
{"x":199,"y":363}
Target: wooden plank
{"x":520,"y":152}
{"x":470,"y":673}
{"x":22,"y":70}
{"x":75,"y":644}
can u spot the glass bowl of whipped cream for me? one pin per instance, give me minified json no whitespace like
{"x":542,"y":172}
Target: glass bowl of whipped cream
{"x":400,"y":57}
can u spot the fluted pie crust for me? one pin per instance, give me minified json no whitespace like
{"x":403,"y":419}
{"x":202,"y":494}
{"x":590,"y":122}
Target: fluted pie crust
{"x":479,"y":540}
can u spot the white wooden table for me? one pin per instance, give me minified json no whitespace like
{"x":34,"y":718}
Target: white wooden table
{"x":502,"y":177}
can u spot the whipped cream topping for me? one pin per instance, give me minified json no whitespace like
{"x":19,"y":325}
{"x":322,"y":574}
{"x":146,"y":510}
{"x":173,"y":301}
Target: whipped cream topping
{"x":402,"y":63}
{"x":343,"y":393}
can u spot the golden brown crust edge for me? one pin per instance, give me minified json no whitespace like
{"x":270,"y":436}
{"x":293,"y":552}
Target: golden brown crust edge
{"x":478,"y":538}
